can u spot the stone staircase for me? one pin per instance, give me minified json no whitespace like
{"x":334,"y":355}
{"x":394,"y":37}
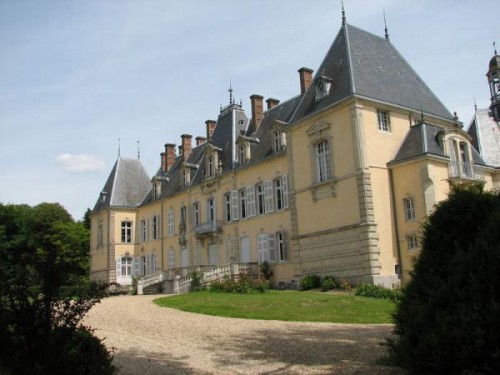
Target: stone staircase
{"x":178,"y":280}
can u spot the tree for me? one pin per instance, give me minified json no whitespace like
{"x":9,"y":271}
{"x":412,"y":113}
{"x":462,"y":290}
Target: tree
{"x":44,"y":294}
{"x":449,"y":318}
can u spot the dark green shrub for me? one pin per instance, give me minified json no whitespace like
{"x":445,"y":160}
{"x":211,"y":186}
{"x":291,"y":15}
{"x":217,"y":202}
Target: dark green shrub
{"x":196,"y":279}
{"x":448,"y":321}
{"x":310,"y":282}
{"x":266,"y":270}
{"x":377,"y":291}
{"x":329,"y":283}
{"x":242,"y":284}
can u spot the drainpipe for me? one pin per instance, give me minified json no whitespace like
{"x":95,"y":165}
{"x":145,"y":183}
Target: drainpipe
{"x":396,"y":229}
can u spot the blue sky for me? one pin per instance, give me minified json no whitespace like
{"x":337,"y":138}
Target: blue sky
{"x":77,"y":75}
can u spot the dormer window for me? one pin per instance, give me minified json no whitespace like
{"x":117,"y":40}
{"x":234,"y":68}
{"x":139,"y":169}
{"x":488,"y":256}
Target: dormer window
{"x":156,"y":189}
{"x":323,"y":87}
{"x":279,"y":140}
{"x":187,"y":176}
{"x":210,"y":166}
{"x":242,"y":154}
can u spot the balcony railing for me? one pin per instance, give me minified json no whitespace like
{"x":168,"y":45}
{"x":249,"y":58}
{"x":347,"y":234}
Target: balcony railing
{"x":209,"y":227}
{"x":465,"y":170}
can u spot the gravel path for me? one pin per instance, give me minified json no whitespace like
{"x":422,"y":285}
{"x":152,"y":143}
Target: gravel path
{"x":153,"y":340}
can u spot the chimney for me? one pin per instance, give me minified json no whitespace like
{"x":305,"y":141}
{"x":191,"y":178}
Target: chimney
{"x":186,"y":145}
{"x":257,"y":109}
{"x":163,"y":162}
{"x":305,"y":75}
{"x":200,"y":140}
{"x":271,"y":103}
{"x":211,"y":124}
{"x":169,"y":156}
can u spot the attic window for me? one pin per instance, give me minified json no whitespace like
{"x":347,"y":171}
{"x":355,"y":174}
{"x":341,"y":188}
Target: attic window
{"x":323,"y":87}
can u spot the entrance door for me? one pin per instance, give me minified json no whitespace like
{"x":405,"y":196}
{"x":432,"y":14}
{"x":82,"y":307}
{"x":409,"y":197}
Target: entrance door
{"x":245,"y":250}
{"x":213,"y":255}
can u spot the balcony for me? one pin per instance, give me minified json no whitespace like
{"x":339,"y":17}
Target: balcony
{"x":460,"y":170}
{"x":208,"y":228}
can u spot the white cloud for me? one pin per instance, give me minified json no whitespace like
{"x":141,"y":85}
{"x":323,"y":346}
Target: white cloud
{"x":80,"y":163}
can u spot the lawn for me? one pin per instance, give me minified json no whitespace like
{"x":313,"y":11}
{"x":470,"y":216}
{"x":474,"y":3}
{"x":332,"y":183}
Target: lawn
{"x":297,"y":306}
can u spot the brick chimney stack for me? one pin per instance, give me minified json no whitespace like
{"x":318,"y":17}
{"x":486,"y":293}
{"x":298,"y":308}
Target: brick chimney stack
{"x":200,"y":140}
{"x":169,"y":155}
{"x":211,"y":124}
{"x":271,"y":103}
{"x":305,"y":75}
{"x":186,"y":145}
{"x":257,"y":109}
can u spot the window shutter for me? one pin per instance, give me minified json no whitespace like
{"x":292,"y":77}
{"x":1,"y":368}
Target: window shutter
{"x":234,"y":205}
{"x":250,"y":190}
{"x":268,"y":196}
{"x":285,"y":246}
{"x":284,"y":181}
{"x":137,"y":266}
{"x":118,"y":267}
{"x":262,"y":247}
{"x":271,"y":242}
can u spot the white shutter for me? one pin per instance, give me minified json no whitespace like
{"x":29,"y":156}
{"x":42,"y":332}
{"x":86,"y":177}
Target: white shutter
{"x":137,"y":267}
{"x":250,"y":191}
{"x":155,"y":263}
{"x":234,"y":205}
{"x":118,"y":267}
{"x":262,"y":247}
{"x":284,"y":181}
{"x":271,"y":243}
{"x":285,"y":246}
{"x":268,"y":196}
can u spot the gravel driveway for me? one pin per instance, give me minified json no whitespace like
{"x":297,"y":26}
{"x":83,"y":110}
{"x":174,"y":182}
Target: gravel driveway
{"x":153,"y":340}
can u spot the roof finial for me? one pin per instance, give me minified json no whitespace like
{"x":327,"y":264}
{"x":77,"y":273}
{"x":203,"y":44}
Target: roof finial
{"x":138,"y":150}
{"x":118,"y":147}
{"x":475,"y":105}
{"x":386,"y":32}
{"x":231,"y":100}
{"x":495,"y":48}
{"x":343,"y":12}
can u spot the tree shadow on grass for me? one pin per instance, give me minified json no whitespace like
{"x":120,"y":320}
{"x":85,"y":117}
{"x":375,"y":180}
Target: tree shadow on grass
{"x":299,"y":350}
{"x":131,"y":362}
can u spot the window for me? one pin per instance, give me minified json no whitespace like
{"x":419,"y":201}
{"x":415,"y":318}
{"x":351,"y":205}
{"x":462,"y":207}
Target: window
{"x":412,"y":242}
{"x":144,"y":230}
{"x":384,"y":123}
{"x":196,"y":213}
{"x":409,"y":206}
{"x":171,"y":227}
{"x":260,"y":199}
{"x":242,"y":154}
{"x":279,"y":140}
{"x":171,"y":259}
{"x":100,"y":234}
{"x":126,"y":232}
{"x":281,"y":247}
{"x":156,"y":189}
{"x":187,"y":176}
{"x":126,"y":266}
{"x":210,"y":166}
{"x":243,"y":203}
{"x":156,"y":227}
{"x":211,"y":209}
{"x":183,"y":214}
{"x":227,"y":206}
{"x":323,"y":161}
{"x":281,"y":192}
{"x":250,"y":193}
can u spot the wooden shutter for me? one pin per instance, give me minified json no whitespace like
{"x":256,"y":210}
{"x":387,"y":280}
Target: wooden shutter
{"x":234,"y":205}
{"x":137,"y":267}
{"x":118,"y":267}
{"x":271,"y":243}
{"x":284,"y":181}
{"x":250,"y":191}
{"x":268,"y":196}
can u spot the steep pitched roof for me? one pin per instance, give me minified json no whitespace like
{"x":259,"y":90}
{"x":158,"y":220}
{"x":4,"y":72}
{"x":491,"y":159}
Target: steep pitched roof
{"x":126,"y":186}
{"x":485,"y":133}
{"x":360,"y":63}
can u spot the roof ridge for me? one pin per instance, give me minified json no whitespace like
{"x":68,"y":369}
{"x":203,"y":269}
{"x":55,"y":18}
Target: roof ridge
{"x":113,"y":188}
{"x":349,"y":58}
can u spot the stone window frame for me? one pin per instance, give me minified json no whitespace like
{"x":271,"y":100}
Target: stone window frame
{"x":412,"y":242}
{"x":384,"y":121}
{"x":409,"y":209}
{"x":126,"y":231}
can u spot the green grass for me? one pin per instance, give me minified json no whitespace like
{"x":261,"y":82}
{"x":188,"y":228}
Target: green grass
{"x":286,"y":305}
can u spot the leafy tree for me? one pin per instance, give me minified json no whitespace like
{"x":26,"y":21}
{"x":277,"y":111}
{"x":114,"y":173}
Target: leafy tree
{"x":86,"y":219}
{"x":448,"y":321}
{"x":44,"y":294}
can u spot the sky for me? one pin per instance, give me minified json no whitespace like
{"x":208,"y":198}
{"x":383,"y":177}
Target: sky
{"x":76,"y":76}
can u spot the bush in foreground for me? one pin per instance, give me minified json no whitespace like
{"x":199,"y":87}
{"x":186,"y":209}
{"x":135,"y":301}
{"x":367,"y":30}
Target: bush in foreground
{"x":448,"y":321}
{"x":377,"y":291}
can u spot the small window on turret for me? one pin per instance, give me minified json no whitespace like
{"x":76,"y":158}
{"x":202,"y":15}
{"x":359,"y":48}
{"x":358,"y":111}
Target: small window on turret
{"x":383,"y":119}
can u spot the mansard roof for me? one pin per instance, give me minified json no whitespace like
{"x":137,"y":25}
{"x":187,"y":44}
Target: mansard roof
{"x":126,"y":186}
{"x":365,"y":65}
{"x":424,"y":139}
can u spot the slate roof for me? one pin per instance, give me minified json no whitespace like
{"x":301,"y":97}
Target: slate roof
{"x":423,"y":139}
{"x":126,"y":186}
{"x":485,"y":133}
{"x":363,"y":64}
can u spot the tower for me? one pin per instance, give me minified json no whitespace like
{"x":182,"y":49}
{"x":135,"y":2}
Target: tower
{"x":494,"y":83}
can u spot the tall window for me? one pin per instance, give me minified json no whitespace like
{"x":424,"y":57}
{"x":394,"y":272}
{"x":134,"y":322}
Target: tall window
{"x":196,"y":213}
{"x":183,"y":214}
{"x":210,"y":166}
{"x":211,"y":209}
{"x":156,"y":227}
{"x":323,"y":161}
{"x":100,"y":234}
{"x":412,"y":242}
{"x":281,"y":247}
{"x":260,"y":199}
{"x":171,"y":227}
{"x":281,"y":192}
{"x":409,"y":206}
{"x":126,"y":232}
{"x":187,"y":176}
{"x":227,"y":206}
{"x":144,"y":230}
{"x":242,"y":154}
{"x":279,"y":140}
{"x":243,"y":203}
{"x":384,"y":123}
{"x":171,"y":259}
{"x":126,"y":266}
